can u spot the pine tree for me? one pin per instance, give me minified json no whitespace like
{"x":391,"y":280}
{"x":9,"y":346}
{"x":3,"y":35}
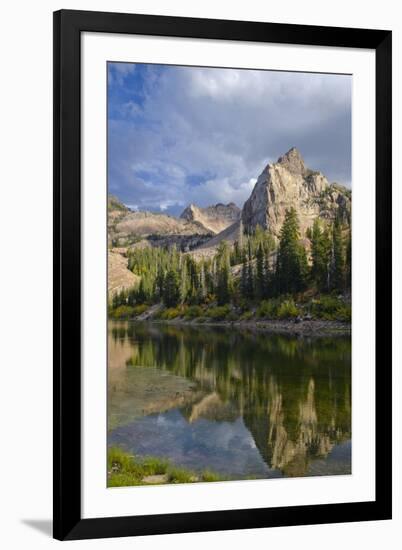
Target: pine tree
{"x":260,"y":285}
{"x":243,"y":280}
{"x":268,"y":290}
{"x":338,"y":264}
{"x":247,"y":279}
{"x":223,"y":287}
{"x":250,"y":272}
{"x":158,"y":286}
{"x":223,"y":290}
{"x":348,"y":266}
{"x":141,"y":296}
{"x":184,"y":282}
{"x":321,"y":256}
{"x":203,"y":286}
{"x":241,"y":235}
{"x":291,"y":267}
{"x":171,"y":292}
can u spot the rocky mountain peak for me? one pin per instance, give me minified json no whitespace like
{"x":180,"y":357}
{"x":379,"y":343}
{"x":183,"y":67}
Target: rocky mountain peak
{"x":293,"y":162}
{"x":308,"y":191}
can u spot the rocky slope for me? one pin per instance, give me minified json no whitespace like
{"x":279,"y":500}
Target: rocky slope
{"x":208,"y":249}
{"x":214,"y":218}
{"x":289,"y":183}
{"x":128,"y":227}
{"x":119,"y":276}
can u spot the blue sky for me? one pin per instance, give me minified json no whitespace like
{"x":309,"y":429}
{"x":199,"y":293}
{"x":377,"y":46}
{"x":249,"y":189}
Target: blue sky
{"x":180,"y":135}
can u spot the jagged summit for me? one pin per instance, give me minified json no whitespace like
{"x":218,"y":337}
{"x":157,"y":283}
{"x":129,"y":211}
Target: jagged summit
{"x":289,"y":183}
{"x":293,"y":162}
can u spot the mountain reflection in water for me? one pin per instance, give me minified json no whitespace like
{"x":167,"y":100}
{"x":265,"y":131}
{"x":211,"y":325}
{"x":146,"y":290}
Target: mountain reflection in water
{"x":241,"y":403}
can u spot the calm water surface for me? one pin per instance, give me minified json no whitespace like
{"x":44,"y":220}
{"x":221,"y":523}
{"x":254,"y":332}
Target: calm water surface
{"x":238,"y":402}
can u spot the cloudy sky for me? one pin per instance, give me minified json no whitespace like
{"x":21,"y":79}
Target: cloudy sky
{"x":180,"y":135}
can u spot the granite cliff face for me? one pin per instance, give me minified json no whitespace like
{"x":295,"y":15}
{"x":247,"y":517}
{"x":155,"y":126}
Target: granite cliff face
{"x":214,"y":218}
{"x":282,"y":185}
{"x":289,"y":183}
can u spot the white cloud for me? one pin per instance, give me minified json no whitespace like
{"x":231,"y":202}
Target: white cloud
{"x":222,"y":127}
{"x":118,"y":72}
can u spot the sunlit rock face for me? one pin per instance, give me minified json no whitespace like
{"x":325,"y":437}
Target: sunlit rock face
{"x":288,"y":183}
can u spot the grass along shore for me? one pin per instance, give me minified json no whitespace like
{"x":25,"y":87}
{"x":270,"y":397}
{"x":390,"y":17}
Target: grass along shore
{"x":125,"y":470}
{"x":324,"y":314}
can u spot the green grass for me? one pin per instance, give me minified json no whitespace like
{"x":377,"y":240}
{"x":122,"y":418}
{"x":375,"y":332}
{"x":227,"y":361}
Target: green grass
{"x":125,"y":470}
{"x":210,"y":476}
{"x":180,"y":475}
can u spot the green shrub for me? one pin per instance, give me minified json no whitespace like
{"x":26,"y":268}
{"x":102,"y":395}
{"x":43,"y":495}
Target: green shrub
{"x":344,"y":313}
{"x":218,"y":313}
{"x":170,"y":313}
{"x":268,"y":308}
{"x":287,"y":310}
{"x":122,"y":312}
{"x":331,"y":308}
{"x":193,"y":312}
{"x":232,"y":316}
{"x":246,"y":315}
{"x":140,"y":308}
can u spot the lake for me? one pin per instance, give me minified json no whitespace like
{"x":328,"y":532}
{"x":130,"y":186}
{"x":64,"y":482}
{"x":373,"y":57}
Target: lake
{"x":242,"y":403}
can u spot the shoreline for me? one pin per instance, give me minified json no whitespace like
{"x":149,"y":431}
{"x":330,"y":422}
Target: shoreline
{"x":309,"y":328}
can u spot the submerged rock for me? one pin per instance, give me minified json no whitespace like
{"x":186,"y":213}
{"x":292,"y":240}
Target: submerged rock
{"x":156,"y":479}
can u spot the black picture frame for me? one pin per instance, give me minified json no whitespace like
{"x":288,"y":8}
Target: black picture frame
{"x":68,"y":26}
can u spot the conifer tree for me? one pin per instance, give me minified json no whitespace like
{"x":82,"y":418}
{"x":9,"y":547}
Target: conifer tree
{"x":141,"y":296}
{"x":223,"y":287}
{"x":321,"y":256}
{"x":203,"y":286}
{"x":171,"y":294}
{"x":223,"y":290}
{"x":260,"y":285}
{"x":158,"y":287}
{"x":243,"y":280}
{"x":268,"y":290}
{"x":348,"y":267}
{"x":291,"y":268}
{"x":338,"y":265}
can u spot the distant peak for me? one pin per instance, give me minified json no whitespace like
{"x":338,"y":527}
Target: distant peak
{"x":293,"y":161}
{"x":190,"y":207}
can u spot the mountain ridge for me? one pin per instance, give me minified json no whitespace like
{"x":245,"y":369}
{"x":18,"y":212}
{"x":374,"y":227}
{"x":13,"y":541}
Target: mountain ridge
{"x":216,"y":217}
{"x":286,"y":183}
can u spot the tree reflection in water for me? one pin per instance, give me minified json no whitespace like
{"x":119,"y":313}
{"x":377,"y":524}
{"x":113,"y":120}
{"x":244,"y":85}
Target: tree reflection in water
{"x":292,"y":394}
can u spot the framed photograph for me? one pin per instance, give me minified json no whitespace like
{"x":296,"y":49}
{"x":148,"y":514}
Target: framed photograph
{"x":222,"y":222}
